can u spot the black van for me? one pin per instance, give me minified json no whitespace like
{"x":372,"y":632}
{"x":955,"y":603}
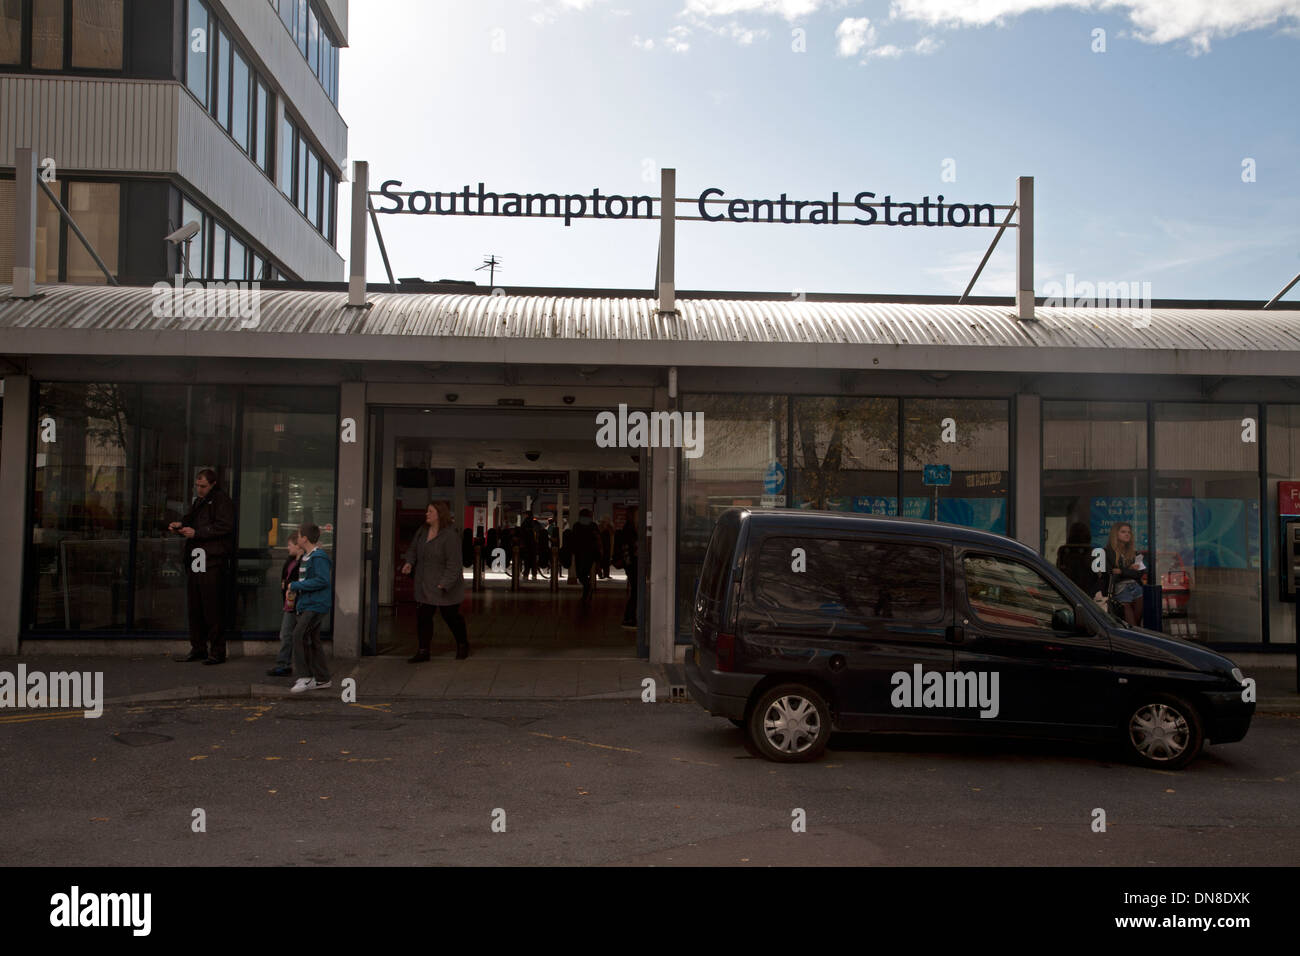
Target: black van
{"x":806,"y":622}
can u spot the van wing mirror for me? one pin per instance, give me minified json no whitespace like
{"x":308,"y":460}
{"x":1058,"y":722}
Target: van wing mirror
{"x":1063,"y":620}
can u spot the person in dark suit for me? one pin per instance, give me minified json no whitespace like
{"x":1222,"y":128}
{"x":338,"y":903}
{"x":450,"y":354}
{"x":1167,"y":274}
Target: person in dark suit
{"x":584,"y":546}
{"x":1074,"y":558}
{"x":210,"y":525}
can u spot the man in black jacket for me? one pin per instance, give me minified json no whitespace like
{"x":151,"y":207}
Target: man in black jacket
{"x":209,"y":525}
{"x":584,"y":546}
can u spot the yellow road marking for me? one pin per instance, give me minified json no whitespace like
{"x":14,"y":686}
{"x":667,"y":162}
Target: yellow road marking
{"x":574,"y":740}
{"x":25,"y":718}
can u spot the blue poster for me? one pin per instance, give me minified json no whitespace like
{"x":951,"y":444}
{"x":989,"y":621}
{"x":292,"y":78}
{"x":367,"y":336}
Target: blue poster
{"x":873,"y":505}
{"x":985,"y":514}
{"x":1209,"y":532}
{"x":1106,"y":512}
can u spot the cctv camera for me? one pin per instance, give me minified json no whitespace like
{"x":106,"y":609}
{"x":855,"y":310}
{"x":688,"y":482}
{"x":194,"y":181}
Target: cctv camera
{"x":452,"y":396}
{"x":184,"y":234}
{"x":532,"y":455}
{"x":569,"y":399}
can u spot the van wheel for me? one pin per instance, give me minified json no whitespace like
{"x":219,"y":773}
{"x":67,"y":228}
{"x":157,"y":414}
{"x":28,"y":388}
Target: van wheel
{"x":1162,"y":731}
{"x":790,"y":724}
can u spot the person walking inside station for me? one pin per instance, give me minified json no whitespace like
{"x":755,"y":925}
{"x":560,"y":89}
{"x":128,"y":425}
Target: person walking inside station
{"x":585,"y":548}
{"x":209,"y":525}
{"x":284,"y":660}
{"x":434,"y":556}
{"x":311,"y":603}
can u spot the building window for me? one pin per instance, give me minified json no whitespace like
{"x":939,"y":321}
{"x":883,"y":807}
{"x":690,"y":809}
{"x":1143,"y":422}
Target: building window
{"x":222,"y":98}
{"x":308,"y":31}
{"x":96,"y":209}
{"x":47,"y":34}
{"x":287,"y":141}
{"x":97,"y":34}
{"x":218,"y":269}
{"x":746,"y":438}
{"x":181,"y":429}
{"x":11,"y":32}
{"x":47,"y":234}
{"x":197,"y":74}
{"x":1094,"y":476}
{"x":1283,"y":465}
{"x":192,"y":213}
{"x":300,"y":184}
{"x":327,"y":207}
{"x":240,"y":92}
{"x":1207,"y":521}
{"x":81,"y":502}
{"x":262,"y":131}
{"x":956,"y":459}
{"x":313,"y":189}
{"x":845,"y":454}
{"x":286,"y":480}
{"x":221,"y":78}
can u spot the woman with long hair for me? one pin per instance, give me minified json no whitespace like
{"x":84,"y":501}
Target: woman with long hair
{"x":1125,"y":571}
{"x":434,"y":556}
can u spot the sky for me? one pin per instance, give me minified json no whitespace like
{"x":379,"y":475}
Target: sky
{"x":1163,"y":137}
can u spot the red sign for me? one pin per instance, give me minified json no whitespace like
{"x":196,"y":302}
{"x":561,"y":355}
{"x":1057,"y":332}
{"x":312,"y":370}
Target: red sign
{"x":327,"y":527}
{"x":1288,"y":497}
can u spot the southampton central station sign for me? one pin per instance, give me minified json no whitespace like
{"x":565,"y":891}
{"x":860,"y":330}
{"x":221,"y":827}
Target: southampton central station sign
{"x":712,"y":204}
{"x":862,"y":211}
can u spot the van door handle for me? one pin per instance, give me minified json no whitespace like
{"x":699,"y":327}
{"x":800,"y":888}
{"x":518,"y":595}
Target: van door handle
{"x":955,"y":634}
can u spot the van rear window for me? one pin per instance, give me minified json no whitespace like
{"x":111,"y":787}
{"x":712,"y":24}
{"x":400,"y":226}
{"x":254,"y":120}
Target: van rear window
{"x":859,"y":580}
{"x":719,"y":557}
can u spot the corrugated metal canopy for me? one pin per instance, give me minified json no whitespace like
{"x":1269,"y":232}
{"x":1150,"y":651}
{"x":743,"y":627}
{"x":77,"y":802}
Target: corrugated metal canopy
{"x":974,"y":336}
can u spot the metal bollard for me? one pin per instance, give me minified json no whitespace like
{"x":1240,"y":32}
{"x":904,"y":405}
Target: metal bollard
{"x":477,"y":584}
{"x":514,"y":568}
{"x":555,"y":568}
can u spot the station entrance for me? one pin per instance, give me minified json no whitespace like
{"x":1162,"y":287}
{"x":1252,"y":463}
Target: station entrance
{"x":517,"y":482}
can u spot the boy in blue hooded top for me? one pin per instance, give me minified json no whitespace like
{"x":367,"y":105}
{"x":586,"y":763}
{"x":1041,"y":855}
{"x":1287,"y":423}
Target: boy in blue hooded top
{"x":311,"y":604}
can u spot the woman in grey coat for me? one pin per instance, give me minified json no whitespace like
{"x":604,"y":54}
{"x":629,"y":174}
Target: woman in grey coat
{"x":434,"y":555}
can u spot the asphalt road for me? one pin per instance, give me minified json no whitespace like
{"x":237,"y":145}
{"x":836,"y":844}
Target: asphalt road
{"x":605,"y":782}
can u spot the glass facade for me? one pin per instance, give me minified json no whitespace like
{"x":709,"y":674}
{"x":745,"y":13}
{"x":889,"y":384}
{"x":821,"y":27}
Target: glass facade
{"x":1283,"y":437}
{"x":1207,"y":519}
{"x":97,"y":34}
{"x":96,"y":207}
{"x":1094,"y":475}
{"x":113,"y":464}
{"x":956,"y":461}
{"x":220,"y":76}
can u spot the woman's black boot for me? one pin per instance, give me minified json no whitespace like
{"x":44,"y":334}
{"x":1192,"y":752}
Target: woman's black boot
{"x":462,"y":650}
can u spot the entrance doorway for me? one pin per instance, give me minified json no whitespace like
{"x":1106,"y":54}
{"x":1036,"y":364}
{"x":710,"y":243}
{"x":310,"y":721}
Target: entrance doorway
{"x":517,"y":482}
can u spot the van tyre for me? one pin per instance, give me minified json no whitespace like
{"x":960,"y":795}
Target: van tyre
{"x":789,"y":723}
{"x":1162,"y":731}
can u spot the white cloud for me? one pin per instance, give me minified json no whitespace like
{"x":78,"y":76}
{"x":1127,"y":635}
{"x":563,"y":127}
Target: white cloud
{"x":676,"y":41}
{"x":1195,"y":22}
{"x":790,"y":9}
{"x":888,"y":51}
{"x":647,"y":44}
{"x":853,"y":34}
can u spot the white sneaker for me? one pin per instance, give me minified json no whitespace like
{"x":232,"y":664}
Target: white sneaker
{"x":308,"y":683}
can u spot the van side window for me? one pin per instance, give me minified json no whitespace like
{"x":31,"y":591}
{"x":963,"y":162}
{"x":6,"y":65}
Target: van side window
{"x":1006,"y":593}
{"x":859,"y":580}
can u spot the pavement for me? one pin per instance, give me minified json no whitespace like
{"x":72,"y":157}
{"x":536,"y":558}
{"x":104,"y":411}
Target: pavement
{"x":159,"y":677}
{"x":574,"y":674}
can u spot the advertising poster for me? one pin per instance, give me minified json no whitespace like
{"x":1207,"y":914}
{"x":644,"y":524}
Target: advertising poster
{"x":1107,"y":511}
